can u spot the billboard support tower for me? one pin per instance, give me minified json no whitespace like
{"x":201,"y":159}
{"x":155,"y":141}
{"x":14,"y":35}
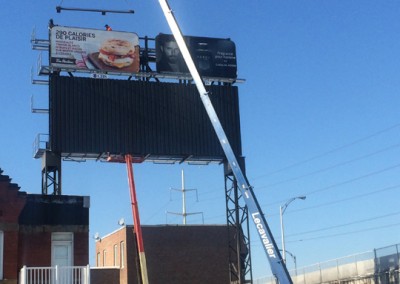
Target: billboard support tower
{"x":51,"y":173}
{"x":238,"y":231}
{"x":271,"y":249}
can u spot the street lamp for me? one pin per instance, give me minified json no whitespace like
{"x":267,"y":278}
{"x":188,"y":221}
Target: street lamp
{"x":294,"y":260}
{"x":282,"y":210}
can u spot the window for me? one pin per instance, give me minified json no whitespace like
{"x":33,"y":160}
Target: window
{"x":104,"y":257}
{"x":115,"y":255}
{"x":122,"y":255}
{"x":1,"y":253}
{"x":98,"y":260}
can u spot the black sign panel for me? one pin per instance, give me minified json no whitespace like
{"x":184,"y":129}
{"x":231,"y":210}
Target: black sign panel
{"x":92,"y":116}
{"x":213,"y":57}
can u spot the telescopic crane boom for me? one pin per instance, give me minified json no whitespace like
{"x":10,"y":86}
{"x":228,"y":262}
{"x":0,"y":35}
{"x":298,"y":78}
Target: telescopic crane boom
{"x":277,"y":264}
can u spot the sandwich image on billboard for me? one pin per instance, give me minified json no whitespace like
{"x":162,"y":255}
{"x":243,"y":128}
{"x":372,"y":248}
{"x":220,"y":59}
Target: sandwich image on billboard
{"x":213,"y":57}
{"x":89,"y":49}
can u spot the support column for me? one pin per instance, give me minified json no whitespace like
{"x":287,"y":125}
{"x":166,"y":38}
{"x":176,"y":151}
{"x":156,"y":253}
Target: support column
{"x":238,"y":231}
{"x":51,"y":173}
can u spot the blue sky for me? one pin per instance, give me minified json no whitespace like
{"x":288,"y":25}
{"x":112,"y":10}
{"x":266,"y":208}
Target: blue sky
{"x":319,"y":117}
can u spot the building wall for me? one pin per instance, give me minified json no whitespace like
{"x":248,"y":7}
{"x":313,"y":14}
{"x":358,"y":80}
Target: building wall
{"x":106,"y":244}
{"x":28,"y":221}
{"x":12,"y":202}
{"x":10,"y":260}
{"x":81,"y":247}
{"x":35,"y":245}
{"x":104,"y":276}
{"x":44,"y":215}
{"x":174,"y":254}
{"x":187,"y":254}
{"x":133,"y":264}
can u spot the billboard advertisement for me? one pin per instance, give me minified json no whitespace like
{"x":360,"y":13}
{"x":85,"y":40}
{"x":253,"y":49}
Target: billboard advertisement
{"x":89,"y":49}
{"x":91,"y":117}
{"x":213,"y":57}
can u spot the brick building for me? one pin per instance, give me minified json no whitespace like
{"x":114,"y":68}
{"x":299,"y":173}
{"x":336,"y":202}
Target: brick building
{"x":40,"y":230}
{"x":175,"y":254}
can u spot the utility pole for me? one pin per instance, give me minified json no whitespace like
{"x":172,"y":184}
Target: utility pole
{"x":184,"y":214}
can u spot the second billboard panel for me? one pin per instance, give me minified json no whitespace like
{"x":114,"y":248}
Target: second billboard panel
{"x":213,"y":57}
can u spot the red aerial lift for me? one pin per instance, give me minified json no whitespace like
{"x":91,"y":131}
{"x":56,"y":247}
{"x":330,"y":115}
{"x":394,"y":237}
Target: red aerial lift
{"x":136,"y":219}
{"x":128,"y":160}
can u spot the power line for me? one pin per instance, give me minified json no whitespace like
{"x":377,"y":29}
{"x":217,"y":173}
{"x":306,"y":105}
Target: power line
{"x":332,"y":186}
{"x":345,"y":199}
{"x":347,"y":233}
{"x":342,"y":183}
{"x":328,"y":203}
{"x":339,"y":200}
{"x":338,"y":234}
{"x":354,"y":179}
{"x":328,"y":168}
{"x":345,"y":224}
{"x":324,"y":154}
{"x":314,"y":172}
{"x":332,"y":167}
{"x":317,"y":171}
{"x":330,"y":151}
{"x":158,"y":211}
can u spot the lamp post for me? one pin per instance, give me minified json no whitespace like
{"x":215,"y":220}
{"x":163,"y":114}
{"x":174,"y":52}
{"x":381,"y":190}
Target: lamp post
{"x":282,"y":210}
{"x":294,"y":260}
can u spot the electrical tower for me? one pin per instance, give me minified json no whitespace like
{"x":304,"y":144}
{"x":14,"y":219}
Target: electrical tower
{"x":184,"y":214}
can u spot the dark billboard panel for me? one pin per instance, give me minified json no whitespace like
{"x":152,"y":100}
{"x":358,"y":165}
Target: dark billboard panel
{"x":89,"y":49}
{"x":213,"y":57}
{"x":145,"y":119}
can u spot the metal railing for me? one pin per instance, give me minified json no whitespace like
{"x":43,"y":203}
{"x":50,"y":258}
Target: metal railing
{"x":40,"y":145}
{"x":379,"y":266}
{"x":55,"y":275}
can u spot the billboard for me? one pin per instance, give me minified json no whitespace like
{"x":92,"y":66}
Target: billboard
{"x":213,"y":57}
{"x":89,"y":49}
{"x":91,"y":117}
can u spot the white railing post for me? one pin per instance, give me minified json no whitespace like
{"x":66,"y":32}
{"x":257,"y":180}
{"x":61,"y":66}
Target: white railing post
{"x":87,"y":281}
{"x":56,"y":274}
{"x":22,"y":275}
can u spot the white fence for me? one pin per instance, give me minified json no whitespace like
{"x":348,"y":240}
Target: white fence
{"x":55,"y":275}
